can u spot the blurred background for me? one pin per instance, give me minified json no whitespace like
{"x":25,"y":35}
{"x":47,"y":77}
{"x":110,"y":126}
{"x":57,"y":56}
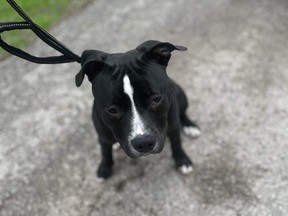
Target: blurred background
{"x":45,"y":14}
{"x":235,"y":75}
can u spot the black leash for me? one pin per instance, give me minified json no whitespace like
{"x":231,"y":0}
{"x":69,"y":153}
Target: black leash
{"x":68,"y":55}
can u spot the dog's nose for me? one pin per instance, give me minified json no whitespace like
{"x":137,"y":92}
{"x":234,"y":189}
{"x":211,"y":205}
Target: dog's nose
{"x":144,"y":143}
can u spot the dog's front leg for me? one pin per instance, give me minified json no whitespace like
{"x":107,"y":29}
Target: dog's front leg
{"x":182,"y":161}
{"x":105,"y":168}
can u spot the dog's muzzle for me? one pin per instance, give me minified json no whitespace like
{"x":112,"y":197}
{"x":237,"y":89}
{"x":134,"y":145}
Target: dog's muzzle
{"x":144,"y":143}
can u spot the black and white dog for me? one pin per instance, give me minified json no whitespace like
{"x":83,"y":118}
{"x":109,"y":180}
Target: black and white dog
{"x":136,"y":104}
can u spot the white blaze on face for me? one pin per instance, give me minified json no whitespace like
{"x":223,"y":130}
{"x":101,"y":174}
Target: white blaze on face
{"x":137,"y":125}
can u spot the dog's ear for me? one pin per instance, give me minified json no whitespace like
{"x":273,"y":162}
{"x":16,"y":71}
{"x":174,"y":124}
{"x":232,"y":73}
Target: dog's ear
{"x":92,"y":62}
{"x":159,"y":52}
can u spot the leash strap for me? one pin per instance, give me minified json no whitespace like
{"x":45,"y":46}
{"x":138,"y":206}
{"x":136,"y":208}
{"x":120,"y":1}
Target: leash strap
{"x":68,"y":55}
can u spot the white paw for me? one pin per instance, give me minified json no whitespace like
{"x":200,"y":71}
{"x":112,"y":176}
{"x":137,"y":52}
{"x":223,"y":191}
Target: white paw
{"x":116,"y":146}
{"x":99,"y":180}
{"x":192,"y":131}
{"x":186,"y":169}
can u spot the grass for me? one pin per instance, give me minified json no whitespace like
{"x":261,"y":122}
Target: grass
{"x":45,"y":13}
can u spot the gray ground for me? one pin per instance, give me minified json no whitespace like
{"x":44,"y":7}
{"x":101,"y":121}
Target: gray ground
{"x":236,"y":78}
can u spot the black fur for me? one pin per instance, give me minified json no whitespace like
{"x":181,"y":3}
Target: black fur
{"x":160,"y":102}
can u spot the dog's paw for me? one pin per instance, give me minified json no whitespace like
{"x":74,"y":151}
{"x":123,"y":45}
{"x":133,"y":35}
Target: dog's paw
{"x":103,"y":173}
{"x":186,"y":169}
{"x":184,"y":165}
{"x":116,"y":146}
{"x":191,"y":131}
{"x":100,"y":180}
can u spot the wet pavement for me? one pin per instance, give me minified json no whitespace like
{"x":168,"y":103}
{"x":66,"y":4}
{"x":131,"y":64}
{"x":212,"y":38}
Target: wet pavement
{"x":235,"y":74}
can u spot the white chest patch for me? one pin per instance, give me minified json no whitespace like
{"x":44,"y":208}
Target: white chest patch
{"x":137,"y":124}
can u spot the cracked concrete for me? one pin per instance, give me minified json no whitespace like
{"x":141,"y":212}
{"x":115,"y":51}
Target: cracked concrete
{"x":235,"y":75}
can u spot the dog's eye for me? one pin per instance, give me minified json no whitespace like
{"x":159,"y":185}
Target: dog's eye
{"x":113,"y":111}
{"x":156,"y":99}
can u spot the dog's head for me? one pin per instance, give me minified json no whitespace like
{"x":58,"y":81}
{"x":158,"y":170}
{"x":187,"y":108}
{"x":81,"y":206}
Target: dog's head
{"x":132,"y":94}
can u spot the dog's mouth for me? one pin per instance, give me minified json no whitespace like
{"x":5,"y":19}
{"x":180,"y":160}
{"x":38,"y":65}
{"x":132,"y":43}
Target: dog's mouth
{"x":137,"y":152}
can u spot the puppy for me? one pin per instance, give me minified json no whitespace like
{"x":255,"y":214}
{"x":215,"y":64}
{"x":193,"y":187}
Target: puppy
{"x":136,"y":104}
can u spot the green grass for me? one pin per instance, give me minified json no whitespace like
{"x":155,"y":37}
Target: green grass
{"x":43,"y":12}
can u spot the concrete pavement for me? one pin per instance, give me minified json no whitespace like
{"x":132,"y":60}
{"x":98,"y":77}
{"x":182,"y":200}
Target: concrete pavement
{"x":235,"y":74}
